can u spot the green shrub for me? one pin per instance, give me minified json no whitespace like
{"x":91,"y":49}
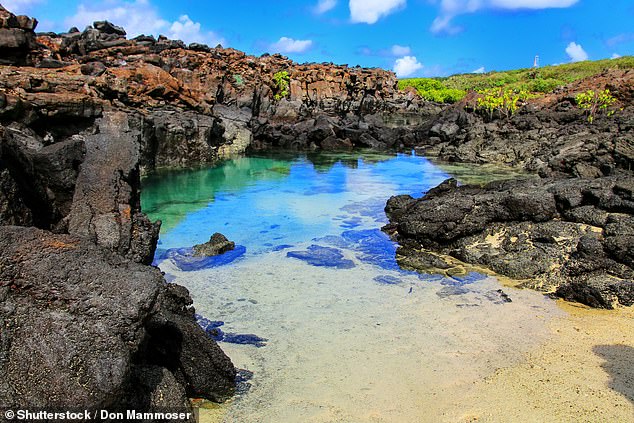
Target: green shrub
{"x":593,"y":103}
{"x":506,"y":102}
{"x":282,"y":82}
{"x":432,"y":90}
{"x":238,"y":78}
{"x":540,"y":85}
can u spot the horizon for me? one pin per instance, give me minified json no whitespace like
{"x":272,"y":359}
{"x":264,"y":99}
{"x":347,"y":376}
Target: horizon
{"x":415,"y":38}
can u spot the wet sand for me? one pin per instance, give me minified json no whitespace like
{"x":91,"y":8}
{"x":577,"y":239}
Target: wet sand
{"x":584,"y":374}
{"x":344,"y":349}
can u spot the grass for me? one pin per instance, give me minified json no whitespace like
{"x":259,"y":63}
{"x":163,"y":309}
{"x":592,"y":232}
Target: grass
{"x":537,"y":81}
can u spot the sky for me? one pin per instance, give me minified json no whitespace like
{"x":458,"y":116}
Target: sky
{"x":414,"y":38}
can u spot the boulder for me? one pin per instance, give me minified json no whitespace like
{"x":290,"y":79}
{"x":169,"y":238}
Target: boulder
{"x":109,"y":28}
{"x":217,"y":244}
{"x":102,"y":331}
{"x":17,"y":38}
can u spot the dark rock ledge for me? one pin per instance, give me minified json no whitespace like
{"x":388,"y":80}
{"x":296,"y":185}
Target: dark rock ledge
{"x":86,"y":323}
{"x":86,"y":327}
{"x":573,"y":237}
{"x":569,"y":233}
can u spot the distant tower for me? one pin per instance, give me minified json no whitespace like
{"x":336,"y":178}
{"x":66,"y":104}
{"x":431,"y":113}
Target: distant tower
{"x":536,"y":61}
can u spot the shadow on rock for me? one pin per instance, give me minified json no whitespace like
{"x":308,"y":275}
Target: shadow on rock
{"x":619,"y":364}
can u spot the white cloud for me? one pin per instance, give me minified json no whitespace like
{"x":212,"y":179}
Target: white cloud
{"x":136,"y":17}
{"x":19,"y":7}
{"x":479,"y":70}
{"x":189,"y":31}
{"x":141,"y":17}
{"x":576,"y":52}
{"x":324,"y":6}
{"x":397,"y":50}
{"x":370,"y":11}
{"x":406,"y":66}
{"x":289,"y":45}
{"x":615,"y":56}
{"x":452,"y":8}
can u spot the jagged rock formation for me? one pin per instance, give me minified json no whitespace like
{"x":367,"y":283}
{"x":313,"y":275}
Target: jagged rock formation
{"x":17,"y":38}
{"x":98,"y":328}
{"x":568,"y":233}
{"x":197,"y":104}
{"x":217,"y":244}
{"x":549,"y":136}
{"x":572,"y":236}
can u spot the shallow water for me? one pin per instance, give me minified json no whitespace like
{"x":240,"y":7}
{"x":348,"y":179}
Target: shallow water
{"x":344,"y":334}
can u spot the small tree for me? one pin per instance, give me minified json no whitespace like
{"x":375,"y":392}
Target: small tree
{"x":282,"y":81}
{"x":593,"y":103}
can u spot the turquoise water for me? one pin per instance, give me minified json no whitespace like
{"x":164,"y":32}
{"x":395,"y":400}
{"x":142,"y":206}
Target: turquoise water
{"x":266,"y":203}
{"x":311,"y":300}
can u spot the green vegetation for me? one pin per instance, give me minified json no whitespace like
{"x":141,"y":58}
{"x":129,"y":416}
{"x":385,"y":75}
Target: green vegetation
{"x":535,"y":81}
{"x":596,"y":102}
{"x":433,"y":90}
{"x":282,"y":82}
{"x":238,"y":78}
{"x":504,"y":101}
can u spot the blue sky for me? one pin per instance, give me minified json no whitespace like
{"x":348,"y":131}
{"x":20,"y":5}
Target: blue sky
{"x":412,"y":37}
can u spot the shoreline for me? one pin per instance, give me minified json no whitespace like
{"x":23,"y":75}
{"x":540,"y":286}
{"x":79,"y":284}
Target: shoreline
{"x":583,"y":374}
{"x":563,"y":379}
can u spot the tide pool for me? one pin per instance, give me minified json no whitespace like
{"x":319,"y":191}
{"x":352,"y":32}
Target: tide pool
{"x":312,"y":302}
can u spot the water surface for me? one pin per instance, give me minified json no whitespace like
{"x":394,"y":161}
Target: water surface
{"x":333,"y":329}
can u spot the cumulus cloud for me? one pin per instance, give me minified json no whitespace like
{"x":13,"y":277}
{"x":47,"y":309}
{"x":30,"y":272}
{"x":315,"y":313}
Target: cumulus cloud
{"x":19,"y":7}
{"x":452,"y":8}
{"x":190,"y":32}
{"x":406,"y":66}
{"x":615,"y":56}
{"x":397,"y":50}
{"x":289,"y":45}
{"x":141,"y":17}
{"x":576,"y":52}
{"x":370,"y":11}
{"x":479,"y":70}
{"x":324,"y":6}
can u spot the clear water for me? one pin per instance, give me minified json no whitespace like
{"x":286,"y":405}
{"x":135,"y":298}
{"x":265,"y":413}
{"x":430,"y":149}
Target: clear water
{"x":331,"y":328}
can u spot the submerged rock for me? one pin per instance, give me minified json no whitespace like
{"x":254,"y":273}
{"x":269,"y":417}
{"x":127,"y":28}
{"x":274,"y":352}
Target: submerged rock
{"x":212,"y":328}
{"x":317,"y":255}
{"x":217,"y":244}
{"x":186,"y":260}
{"x":387,"y":280}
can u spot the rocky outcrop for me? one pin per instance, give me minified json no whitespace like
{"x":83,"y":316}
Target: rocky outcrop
{"x":106,"y":205}
{"x":549,"y":136}
{"x":103,"y":330}
{"x":567,"y":233}
{"x":197,"y":104}
{"x":17,"y":38}
{"x":568,"y":236}
{"x":97,"y":330}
